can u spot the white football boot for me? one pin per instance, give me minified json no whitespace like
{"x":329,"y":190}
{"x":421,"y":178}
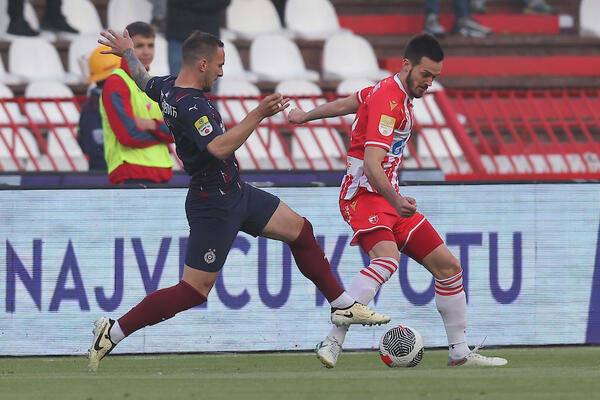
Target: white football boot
{"x":357,"y":314}
{"x":102,"y":345}
{"x":328,"y":352}
{"x":474,"y":359}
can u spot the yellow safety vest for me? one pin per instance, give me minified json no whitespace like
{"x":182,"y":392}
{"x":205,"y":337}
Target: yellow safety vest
{"x":114,"y":152}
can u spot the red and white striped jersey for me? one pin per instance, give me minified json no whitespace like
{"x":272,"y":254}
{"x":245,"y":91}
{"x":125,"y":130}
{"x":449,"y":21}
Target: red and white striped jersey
{"x":384,"y":119}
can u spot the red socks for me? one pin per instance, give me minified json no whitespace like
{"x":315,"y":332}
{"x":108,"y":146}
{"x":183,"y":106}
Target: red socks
{"x":311,"y":261}
{"x":160,"y":305}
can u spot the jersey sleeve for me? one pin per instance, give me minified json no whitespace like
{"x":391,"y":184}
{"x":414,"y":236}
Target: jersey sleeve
{"x":200,"y":124}
{"x":362,"y":94}
{"x":153,"y":87}
{"x":385,"y":115}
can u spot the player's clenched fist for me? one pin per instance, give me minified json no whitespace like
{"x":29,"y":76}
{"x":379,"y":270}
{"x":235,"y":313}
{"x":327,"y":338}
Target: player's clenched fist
{"x":406,"y":207}
{"x":296,"y":116}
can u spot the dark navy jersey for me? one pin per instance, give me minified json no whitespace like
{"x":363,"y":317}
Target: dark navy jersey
{"x":194,"y":122}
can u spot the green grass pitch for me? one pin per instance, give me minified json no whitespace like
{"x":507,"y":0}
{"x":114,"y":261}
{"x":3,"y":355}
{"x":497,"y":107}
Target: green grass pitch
{"x":564,"y":373}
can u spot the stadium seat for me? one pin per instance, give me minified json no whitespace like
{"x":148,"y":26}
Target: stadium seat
{"x":160,"y":64}
{"x":24,"y":55}
{"x":80,"y":49}
{"x":254,"y":154}
{"x":312,"y":19}
{"x":277,"y":58}
{"x":82,"y":15}
{"x":347,"y":55}
{"x":11,"y":110}
{"x":24,"y":145}
{"x":120,"y":13}
{"x":588,"y":18}
{"x":250,"y":18}
{"x":304,"y":144}
{"x":353,"y":85}
{"x":233,"y":68}
{"x":62,"y":147}
{"x":54,"y":111}
{"x":30,"y":16}
{"x":8,"y":78}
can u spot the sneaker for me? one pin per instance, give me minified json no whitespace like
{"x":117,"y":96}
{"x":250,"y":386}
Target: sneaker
{"x":537,"y":7}
{"x":357,"y":314}
{"x":474,"y":359}
{"x":433,"y":27}
{"x":102,"y":345}
{"x":328,"y":352}
{"x":21,"y":27}
{"x":470,"y":28}
{"x":478,"y":6}
{"x":57,"y":24}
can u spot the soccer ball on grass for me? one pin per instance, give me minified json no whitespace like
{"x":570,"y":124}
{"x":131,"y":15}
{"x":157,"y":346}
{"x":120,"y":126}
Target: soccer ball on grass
{"x":401,"y":346}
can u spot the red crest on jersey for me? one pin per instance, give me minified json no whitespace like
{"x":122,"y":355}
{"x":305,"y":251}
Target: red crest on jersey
{"x":373,"y":219}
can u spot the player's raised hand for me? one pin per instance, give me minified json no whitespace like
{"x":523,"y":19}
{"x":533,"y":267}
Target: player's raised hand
{"x":272,"y":104}
{"x":296,"y":116}
{"x":406,"y":207}
{"x":116,"y":42}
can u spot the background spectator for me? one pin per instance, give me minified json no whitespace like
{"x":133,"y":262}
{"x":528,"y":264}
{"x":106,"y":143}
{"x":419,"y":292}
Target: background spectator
{"x":464,"y":24}
{"x":185,"y":16}
{"x":91,"y":135}
{"x":530,"y":7}
{"x":53,"y":19}
{"x":135,"y":135}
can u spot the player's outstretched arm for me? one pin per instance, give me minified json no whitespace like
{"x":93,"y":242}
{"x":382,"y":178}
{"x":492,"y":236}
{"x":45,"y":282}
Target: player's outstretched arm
{"x":122,"y":46}
{"x":343,"y":106}
{"x":224,"y":145}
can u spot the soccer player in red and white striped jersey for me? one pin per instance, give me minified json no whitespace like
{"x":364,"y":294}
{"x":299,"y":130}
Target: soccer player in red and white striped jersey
{"x":385,"y":222}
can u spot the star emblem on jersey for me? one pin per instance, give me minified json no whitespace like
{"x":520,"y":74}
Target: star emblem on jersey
{"x":203,"y":126}
{"x":210,"y":256}
{"x":386,"y":125}
{"x":353,"y":205}
{"x":393,"y":104}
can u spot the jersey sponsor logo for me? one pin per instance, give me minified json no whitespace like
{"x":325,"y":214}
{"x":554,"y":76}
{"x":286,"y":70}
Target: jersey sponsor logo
{"x":203,"y":126}
{"x":393,"y":104}
{"x":210,"y":256}
{"x":386,"y":125}
{"x":398,"y":147}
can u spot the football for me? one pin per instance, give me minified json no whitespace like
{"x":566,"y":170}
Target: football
{"x":401,"y":346}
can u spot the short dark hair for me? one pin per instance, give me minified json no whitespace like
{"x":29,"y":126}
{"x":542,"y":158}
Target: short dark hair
{"x":140,"y":28}
{"x":423,"y":45}
{"x":199,"y":45}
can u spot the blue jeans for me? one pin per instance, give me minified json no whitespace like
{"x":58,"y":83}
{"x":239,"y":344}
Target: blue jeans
{"x":461,"y":8}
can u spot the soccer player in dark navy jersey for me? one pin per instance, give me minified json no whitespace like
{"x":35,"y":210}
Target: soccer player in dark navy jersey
{"x":218,"y":204}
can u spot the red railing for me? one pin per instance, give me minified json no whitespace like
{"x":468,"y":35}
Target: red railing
{"x":467,"y":134}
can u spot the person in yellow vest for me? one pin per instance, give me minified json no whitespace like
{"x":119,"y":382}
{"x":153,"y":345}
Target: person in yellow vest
{"x":135,"y":135}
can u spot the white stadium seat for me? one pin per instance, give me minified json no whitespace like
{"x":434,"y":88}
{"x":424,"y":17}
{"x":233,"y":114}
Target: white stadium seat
{"x":347,"y":55}
{"x":350,"y":86}
{"x":250,"y":18}
{"x":82,"y":15}
{"x":254,"y":154}
{"x":24,"y":55}
{"x":276,"y":58}
{"x":80,"y":49}
{"x":233,"y":68}
{"x":52,"y":110}
{"x":312,"y":19}
{"x":120,"y":13}
{"x":12,"y":110}
{"x":8,"y":78}
{"x":589,"y":10}
{"x":160,"y":64}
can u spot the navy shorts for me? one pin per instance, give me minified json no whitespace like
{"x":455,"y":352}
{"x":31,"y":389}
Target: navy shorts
{"x":216,"y":220}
